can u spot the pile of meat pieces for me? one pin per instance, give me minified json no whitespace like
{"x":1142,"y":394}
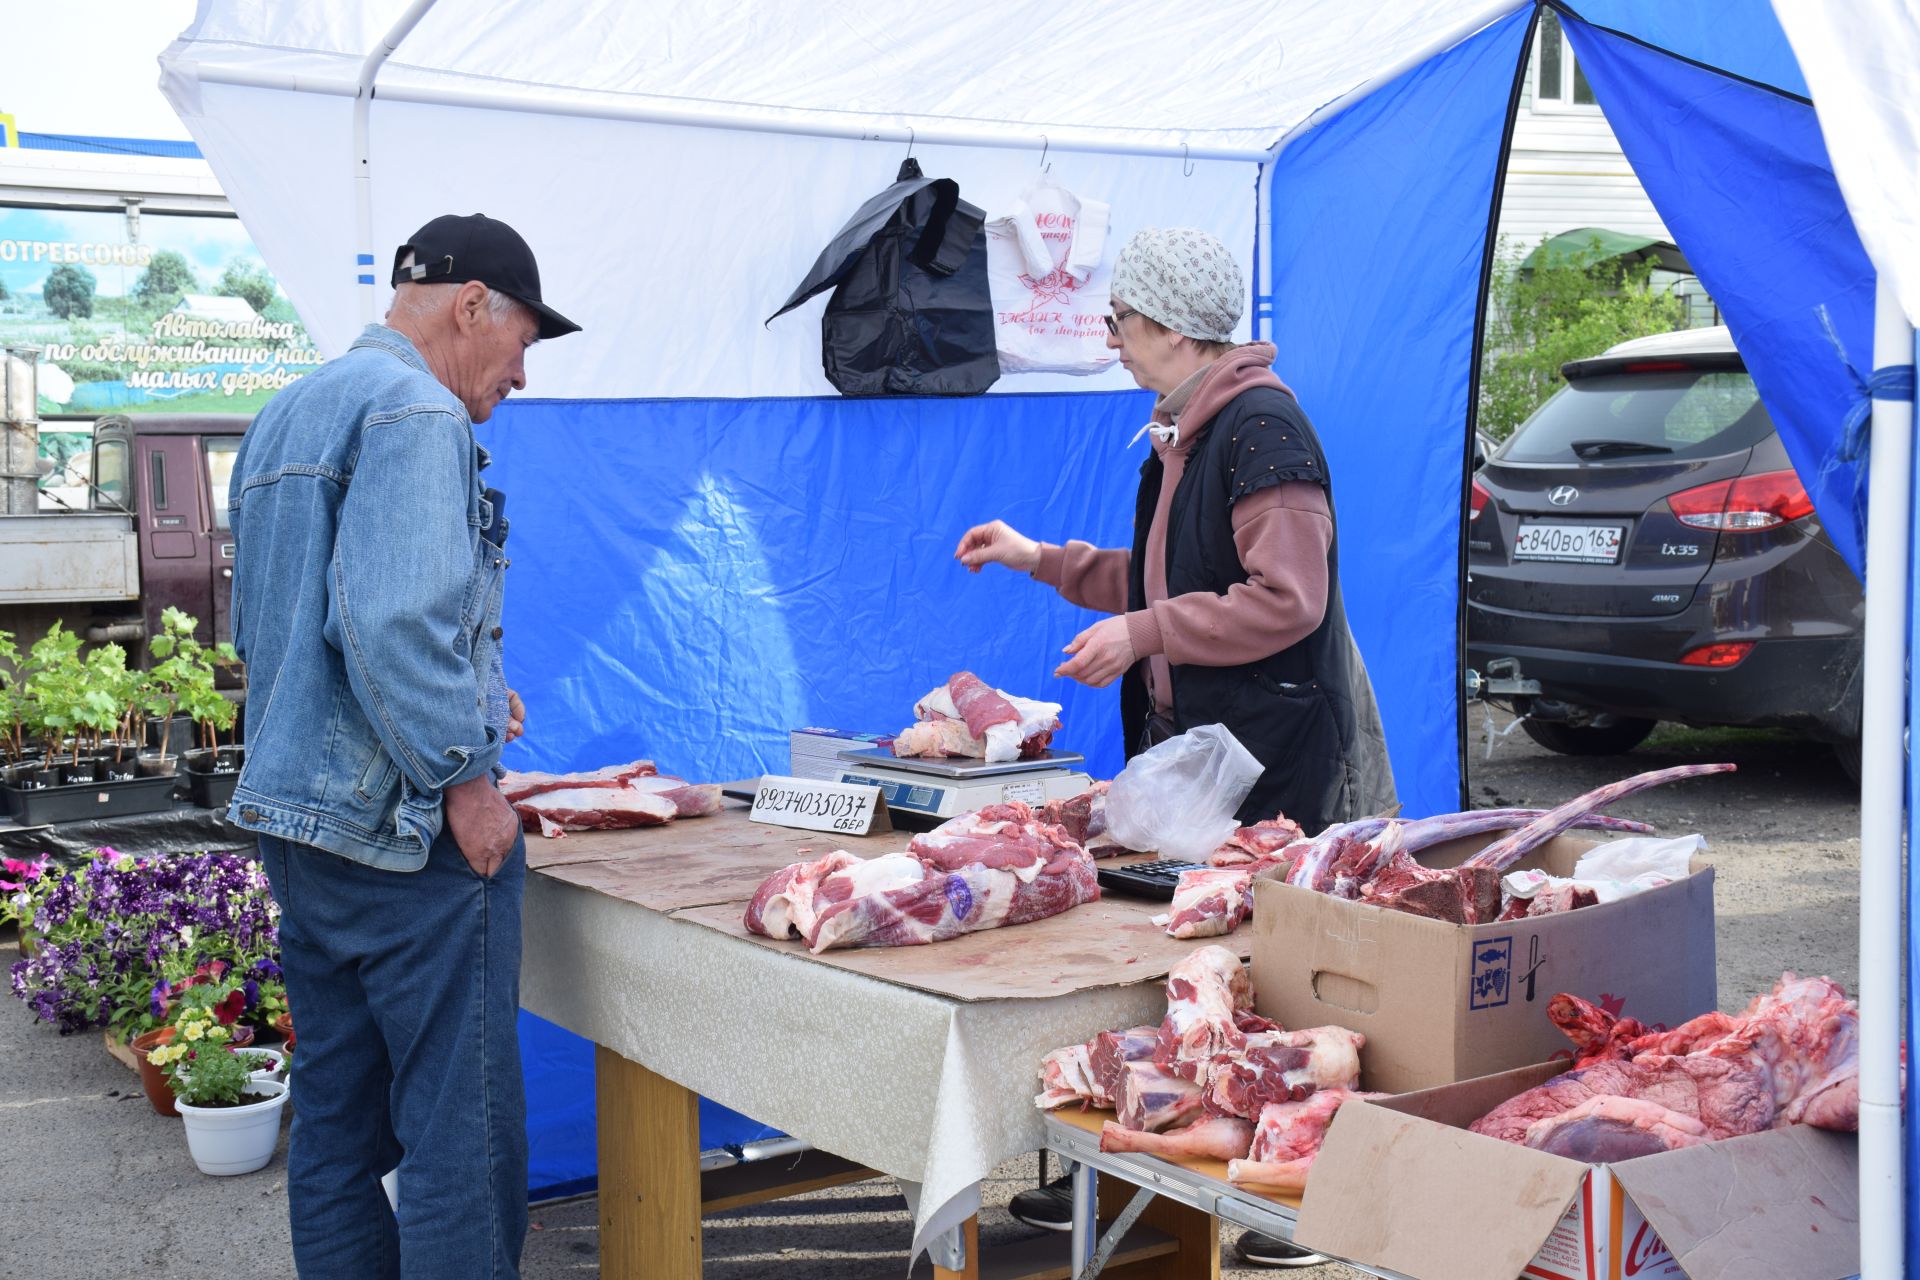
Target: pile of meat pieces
{"x":1001,"y":865}
{"x":1214,"y":1080}
{"x":621,"y":795}
{"x":968,"y":717}
{"x":1791,"y":1057}
{"x":1372,"y":860}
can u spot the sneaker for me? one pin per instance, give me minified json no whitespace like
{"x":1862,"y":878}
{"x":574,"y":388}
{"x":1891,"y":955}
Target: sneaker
{"x":1049,"y":1207}
{"x":1266,"y":1251}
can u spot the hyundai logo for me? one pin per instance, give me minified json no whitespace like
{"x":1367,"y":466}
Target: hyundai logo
{"x":1562,"y":495}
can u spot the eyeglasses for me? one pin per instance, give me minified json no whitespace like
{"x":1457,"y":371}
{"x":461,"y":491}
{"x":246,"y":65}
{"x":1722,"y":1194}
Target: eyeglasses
{"x":1113,"y":321}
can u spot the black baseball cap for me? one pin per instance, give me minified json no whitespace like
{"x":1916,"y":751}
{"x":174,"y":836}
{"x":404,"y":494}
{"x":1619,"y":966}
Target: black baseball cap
{"x":455,"y":248}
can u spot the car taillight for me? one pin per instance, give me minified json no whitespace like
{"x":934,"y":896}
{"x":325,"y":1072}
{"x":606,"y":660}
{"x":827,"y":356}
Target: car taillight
{"x":1764,"y":501}
{"x":1480,"y":500}
{"x":1717,"y":655}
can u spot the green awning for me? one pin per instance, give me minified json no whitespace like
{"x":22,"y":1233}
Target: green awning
{"x":1612,"y":244}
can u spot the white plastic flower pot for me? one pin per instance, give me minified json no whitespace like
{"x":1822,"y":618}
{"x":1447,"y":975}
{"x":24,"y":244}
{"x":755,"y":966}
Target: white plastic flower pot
{"x":273,"y":1063}
{"x":230,"y":1140}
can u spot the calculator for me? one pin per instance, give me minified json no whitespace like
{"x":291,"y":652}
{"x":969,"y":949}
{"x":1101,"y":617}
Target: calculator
{"x":1154,"y":879}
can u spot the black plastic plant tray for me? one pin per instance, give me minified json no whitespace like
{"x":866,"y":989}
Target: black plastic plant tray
{"x":211,"y":790}
{"x":88,"y":800}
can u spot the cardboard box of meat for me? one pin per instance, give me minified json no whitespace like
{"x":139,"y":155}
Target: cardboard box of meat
{"x":1439,"y":1000}
{"x":1622,"y":1167}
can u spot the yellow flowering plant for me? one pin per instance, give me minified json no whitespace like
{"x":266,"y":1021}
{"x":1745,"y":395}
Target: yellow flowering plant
{"x":197,"y":1062}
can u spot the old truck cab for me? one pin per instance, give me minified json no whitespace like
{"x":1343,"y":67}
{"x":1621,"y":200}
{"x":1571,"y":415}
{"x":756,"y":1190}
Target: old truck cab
{"x":150,"y":533}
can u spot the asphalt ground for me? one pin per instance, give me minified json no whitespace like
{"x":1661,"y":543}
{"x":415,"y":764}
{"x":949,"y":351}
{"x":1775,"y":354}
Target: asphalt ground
{"x":93,"y":1184}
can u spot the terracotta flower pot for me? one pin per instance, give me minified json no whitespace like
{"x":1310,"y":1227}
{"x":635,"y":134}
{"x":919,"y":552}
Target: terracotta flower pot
{"x":283,"y":1023}
{"x":152,"y":1079}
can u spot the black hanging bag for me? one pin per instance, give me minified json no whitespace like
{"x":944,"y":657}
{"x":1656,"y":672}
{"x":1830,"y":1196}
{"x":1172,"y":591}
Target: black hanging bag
{"x":910,"y":312}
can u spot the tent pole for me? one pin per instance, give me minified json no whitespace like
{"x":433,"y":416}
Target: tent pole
{"x":363,"y":159}
{"x":664,"y":111}
{"x":1883,"y":780}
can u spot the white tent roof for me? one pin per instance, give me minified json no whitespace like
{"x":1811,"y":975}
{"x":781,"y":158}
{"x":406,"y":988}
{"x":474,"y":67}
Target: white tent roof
{"x":1227,"y":76}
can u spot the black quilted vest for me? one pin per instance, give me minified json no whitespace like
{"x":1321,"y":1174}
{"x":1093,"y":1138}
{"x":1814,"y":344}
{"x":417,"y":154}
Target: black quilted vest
{"x":1294,"y":710}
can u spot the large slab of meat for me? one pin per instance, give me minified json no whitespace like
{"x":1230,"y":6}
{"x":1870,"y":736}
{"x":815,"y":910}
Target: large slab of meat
{"x":635,"y":794}
{"x":968,"y":717}
{"x":1791,"y":1057}
{"x":998,"y":866}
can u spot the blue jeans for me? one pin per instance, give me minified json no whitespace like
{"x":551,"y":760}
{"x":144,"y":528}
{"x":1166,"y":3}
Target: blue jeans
{"x":405,"y":990}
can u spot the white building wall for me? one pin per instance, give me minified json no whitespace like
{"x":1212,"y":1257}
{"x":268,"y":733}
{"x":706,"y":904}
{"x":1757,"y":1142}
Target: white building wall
{"x":1566,"y":170}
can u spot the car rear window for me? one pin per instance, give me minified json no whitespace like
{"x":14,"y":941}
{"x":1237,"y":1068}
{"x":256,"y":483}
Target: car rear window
{"x":1689,"y":413}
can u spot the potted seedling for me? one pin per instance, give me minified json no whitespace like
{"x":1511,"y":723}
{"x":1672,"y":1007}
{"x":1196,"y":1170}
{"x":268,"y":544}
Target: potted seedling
{"x":173,"y":651}
{"x":58,"y":686}
{"x":110,"y":690}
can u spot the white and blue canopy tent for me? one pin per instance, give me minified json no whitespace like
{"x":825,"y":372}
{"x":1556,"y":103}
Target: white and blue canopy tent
{"x":711,"y":548}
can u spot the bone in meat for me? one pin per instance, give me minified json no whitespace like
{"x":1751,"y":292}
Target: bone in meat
{"x":1287,"y":1138}
{"x":1203,"y":993}
{"x":1111,"y":1050}
{"x":1066,"y":1075}
{"x":1153,"y":1099}
{"x":1283,"y":1066}
{"x":1509,"y":849}
{"x":783,"y":904}
{"x":1214,"y":1138}
{"x":1209,"y":902}
{"x":969,"y":898}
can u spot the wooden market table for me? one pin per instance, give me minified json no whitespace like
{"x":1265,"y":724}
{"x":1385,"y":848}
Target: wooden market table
{"x":918,"y":1062}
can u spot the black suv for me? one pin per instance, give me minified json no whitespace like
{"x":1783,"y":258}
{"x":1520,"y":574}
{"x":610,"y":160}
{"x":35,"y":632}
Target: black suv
{"x":1642,"y":547}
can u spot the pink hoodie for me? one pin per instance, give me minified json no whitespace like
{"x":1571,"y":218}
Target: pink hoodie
{"x":1282,"y":534}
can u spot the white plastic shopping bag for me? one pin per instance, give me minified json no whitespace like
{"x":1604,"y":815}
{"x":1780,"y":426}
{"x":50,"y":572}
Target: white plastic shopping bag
{"x":1049,"y":271}
{"x":1178,"y":798}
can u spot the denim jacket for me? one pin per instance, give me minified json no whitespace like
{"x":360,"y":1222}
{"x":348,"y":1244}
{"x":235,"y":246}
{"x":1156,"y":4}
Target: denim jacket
{"x":366,"y":601}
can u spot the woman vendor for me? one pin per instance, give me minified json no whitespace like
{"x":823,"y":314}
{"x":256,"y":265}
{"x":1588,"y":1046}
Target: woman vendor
{"x":1227,"y":608}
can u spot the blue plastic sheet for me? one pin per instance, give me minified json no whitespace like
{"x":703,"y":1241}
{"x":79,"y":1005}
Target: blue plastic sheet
{"x":1786,"y":269}
{"x":1379,"y":237}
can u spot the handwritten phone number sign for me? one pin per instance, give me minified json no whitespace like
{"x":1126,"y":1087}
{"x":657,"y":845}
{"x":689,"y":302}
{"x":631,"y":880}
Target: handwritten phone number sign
{"x":812,"y":805}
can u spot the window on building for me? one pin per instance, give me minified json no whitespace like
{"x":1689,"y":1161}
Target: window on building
{"x":1558,"y":81}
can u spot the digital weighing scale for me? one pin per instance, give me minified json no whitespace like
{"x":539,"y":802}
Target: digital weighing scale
{"x":947,"y":786}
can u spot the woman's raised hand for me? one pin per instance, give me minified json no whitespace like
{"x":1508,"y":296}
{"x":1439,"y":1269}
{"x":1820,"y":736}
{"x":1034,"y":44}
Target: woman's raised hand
{"x":997,"y":543}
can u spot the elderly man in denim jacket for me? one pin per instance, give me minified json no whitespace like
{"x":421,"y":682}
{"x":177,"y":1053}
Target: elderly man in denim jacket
{"x":368,"y":569}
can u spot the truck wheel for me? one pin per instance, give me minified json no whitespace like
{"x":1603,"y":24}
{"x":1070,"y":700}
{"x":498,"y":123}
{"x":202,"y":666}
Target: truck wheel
{"x":1603,"y":735}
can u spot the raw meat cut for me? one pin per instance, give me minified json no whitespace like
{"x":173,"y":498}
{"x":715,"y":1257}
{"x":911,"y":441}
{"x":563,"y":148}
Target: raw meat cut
{"x":1459,"y":895}
{"x":1000,"y":835}
{"x":1260,"y":842}
{"x":1111,"y":1050}
{"x":1604,"y":1129}
{"x":1209,"y":902}
{"x":783,"y":904}
{"x":1153,"y":1099}
{"x":1551,"y":900}
{"x":594,"y":808}
{"x":1067,"y":1076}
{"x":1082,"y":817}
{"x":1204,"y":992}
{"x":1287,"y":1138}
{"x":1283,"y":1066}
{"x":967,"y":717}
{"x":621,"y":795}
{"x":1214,"y":1138}
{"x":991,"y":873}
{"x":518,"y":786}
{"x":1727,"y":1096}
{"x":1791,"y":1057}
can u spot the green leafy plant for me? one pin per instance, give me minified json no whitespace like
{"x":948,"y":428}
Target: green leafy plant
{"x":1564,"y":307}
{"x":184,"y":678}
{"x":15,"y":708}
{"x":104,"y":698}
{"x":56,"y":684}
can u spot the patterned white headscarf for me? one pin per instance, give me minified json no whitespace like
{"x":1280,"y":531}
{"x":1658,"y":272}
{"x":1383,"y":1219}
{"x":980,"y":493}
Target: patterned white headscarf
{"x":1184,"y":278}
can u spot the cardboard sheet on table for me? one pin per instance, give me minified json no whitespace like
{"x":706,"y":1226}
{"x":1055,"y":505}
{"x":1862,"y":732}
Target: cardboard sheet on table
{"x":692,"y":862}
{"x":1108,"y":942}
{"x":1092,"y":1119}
